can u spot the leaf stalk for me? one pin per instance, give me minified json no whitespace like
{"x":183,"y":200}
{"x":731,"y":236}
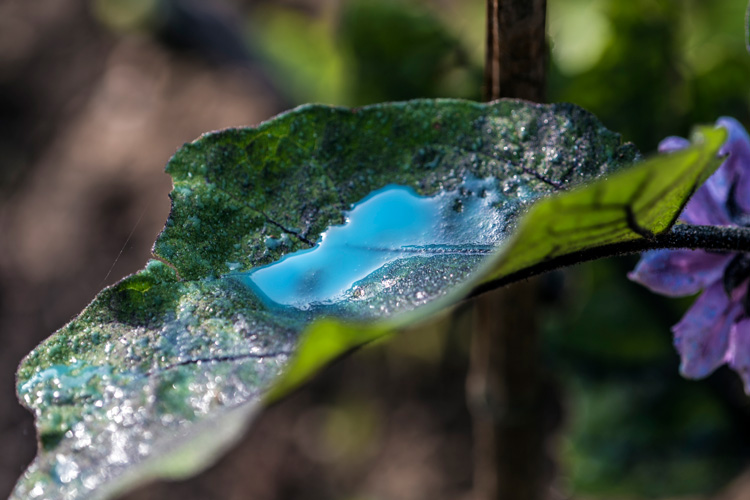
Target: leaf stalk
{"x":680,"y":236}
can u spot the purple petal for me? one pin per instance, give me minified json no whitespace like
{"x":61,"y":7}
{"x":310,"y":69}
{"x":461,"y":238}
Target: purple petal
{"x":738,"y":163}
{"x":708,"y":204}
{"x":702,"y":336}
{"x":706,"y":207}
{"x":738,"y":356}
{"x":673,"y":143}
{"x":679,"y":272}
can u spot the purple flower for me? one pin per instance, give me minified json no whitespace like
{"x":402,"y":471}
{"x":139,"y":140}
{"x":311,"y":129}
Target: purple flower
{"x":716,"y":328}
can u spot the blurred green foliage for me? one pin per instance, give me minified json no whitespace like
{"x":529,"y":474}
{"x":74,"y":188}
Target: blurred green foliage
{"x":635,"y":428}
{"x":366,"y":51}
{"x":650,"y":68}
{"x":414,"y":56}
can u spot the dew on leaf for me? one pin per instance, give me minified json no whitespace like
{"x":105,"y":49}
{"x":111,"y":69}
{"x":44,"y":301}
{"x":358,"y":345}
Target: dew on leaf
{"x":190,"y":347}
{"x":67,"y":470}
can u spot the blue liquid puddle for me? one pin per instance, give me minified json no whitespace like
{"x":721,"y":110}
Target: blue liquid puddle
{"x":389,"y":224}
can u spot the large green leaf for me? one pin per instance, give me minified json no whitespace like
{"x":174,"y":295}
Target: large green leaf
{"x":164,"y":369}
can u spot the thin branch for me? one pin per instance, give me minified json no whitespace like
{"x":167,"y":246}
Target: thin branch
{"x":681,"y":236}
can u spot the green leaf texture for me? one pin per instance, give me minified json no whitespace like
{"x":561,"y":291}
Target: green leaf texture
{"x":163,"y":370}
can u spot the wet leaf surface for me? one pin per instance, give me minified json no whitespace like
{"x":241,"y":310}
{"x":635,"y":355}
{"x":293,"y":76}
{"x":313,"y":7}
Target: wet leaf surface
{"x":164,"y":369}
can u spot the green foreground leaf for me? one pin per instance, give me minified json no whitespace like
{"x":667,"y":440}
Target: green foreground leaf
{"x":137,"y":385}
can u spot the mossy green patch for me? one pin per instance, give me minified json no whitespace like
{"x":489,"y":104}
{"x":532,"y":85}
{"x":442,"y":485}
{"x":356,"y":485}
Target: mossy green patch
{"x":146,"y":297}
{"x":298,"y":173}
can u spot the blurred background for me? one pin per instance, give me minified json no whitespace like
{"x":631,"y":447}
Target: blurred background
{"x":96,"y":95}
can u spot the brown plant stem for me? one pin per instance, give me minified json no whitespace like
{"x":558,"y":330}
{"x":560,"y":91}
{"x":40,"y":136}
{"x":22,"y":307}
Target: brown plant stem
{"x":504,"y":384}
{"x":516,"y":50}
{"x":507,"y":397}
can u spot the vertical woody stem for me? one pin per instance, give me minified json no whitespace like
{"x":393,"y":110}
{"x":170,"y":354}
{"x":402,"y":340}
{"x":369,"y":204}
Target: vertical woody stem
{"x":509,"y":402}
{"x":516,"y":51}
{"x":504,"y":387}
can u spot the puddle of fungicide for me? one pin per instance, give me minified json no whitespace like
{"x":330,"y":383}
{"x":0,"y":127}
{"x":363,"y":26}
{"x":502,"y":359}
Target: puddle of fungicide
{"x":389,"y":224}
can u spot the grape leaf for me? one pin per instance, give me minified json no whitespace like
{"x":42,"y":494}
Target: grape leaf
{"x":162,"y":371}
